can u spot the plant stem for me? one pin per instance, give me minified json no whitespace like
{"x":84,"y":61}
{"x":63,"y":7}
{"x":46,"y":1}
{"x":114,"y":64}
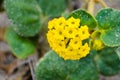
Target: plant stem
{"x":91,"y":6}
{"x":70,"y":6}
{"x":2,"y":33}
{"x":102,"y":3}
{"x":32,"y":70}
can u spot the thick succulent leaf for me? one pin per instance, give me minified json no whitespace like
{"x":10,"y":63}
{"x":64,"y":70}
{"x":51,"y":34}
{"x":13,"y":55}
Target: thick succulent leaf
{"x":25,"y":15}
{"x":107,"y":61}
{"x":21,"y":47}
{"x":111,"y":37}
{"x":52,"y":8}
{"x":53,"y":67}
{"x":109,"y":20}
{"x":85,"y":18}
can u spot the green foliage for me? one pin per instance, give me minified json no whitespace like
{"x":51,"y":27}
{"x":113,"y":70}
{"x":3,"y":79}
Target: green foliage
{"x":25,"y":16}
{"x":118,"y":51}
{"x":108,"y":18}
{"x":21,"y":47}
{"x":107,"y":61}
{"x":52,"y":8}
{"x":109,"y":21}
{"x":111,"y":37}
{"x":85,"y":17}
{"x":53,"y":67}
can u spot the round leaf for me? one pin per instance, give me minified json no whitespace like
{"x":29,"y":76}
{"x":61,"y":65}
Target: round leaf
{"x":25,"y":15}
{"x":21,"y":47}
{"x":85,"y":18}
{"x":53,"y":67}
{"x":108,"y":18}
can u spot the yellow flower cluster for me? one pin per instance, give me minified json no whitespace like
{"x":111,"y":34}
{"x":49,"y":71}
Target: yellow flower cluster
{"x":98,"y":44}
{"x":95,"y":42}
{"x":66,"y":38}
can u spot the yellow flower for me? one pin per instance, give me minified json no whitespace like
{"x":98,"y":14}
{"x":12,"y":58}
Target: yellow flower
{"x":75,"y":43}
{"x":73,"y":23}
{"x":50,"y":24}
{"x":61,"y":22}
{"x":50,"y":35}
{"x":60,"y":45}
{"x":84,"y":32}
{"x":59,"y":33}
{"x":70,"y":32}
{"x":85,"y":49}
{"x":98,"y":44}
{"x":65,"y":37}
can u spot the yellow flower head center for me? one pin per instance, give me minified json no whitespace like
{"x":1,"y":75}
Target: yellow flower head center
{"x":66,"y":38}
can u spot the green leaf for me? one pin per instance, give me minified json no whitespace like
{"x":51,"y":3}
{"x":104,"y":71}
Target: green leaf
{"x":53,"y":67}
{"x":25,"y":16}
{"x":109,"y":21}
{"x":107,"y":61}
{"x":85,"y":17}
{"x":20,"y":46}
{"x":111,"y":37}
{"x":108,"y":18}
{"x":52,"y":8}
